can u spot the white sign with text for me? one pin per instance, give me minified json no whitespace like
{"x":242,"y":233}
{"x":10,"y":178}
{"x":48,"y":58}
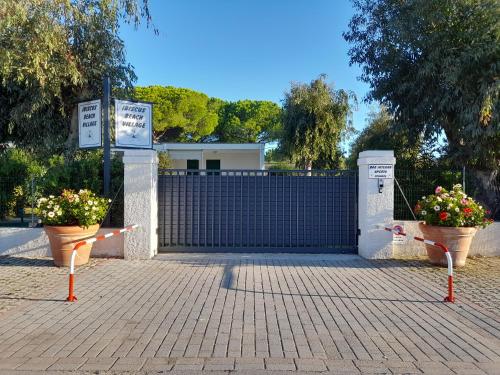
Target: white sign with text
{"x":89,"y":124}
{"x":133,"y":124}
{"x":380,"y":171}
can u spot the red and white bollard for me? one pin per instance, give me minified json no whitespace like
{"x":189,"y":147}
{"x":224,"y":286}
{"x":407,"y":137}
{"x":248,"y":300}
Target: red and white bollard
{"x":451,"y":296}
{"x":71,"y":296}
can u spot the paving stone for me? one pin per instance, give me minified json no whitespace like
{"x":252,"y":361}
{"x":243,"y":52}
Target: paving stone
{"x":158,"y":364}
{"x":249,"y":363}
{"x":128,"y":364}
{"x":221,"y":364}
{"x":67,"y":364}
{"x":37,"y":364}
{"x":281,"y":364}
{"x":11,"y":363}
{"x":305,"y":364}
{"x":98,"y":364}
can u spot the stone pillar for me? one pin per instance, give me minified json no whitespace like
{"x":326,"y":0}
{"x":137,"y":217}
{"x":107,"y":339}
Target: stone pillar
{"x":375,"y":207}
{"x":141,"y":203}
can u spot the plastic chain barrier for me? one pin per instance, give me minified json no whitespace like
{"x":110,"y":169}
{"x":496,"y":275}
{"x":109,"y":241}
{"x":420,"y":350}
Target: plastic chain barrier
{"x":71,"y":296}
{"x":451,"y":296}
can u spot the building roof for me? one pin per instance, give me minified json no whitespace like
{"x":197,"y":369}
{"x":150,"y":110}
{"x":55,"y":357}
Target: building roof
{"x":208,"y":146}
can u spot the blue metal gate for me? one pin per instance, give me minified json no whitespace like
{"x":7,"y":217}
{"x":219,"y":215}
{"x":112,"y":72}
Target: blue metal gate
{"x":258,"y":211}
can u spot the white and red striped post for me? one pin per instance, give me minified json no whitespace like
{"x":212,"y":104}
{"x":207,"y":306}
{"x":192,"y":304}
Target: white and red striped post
{"x":71,"y":296}
{"x":451,"y":296}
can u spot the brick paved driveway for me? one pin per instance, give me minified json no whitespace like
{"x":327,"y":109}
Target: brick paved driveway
{"x":250,"y":314}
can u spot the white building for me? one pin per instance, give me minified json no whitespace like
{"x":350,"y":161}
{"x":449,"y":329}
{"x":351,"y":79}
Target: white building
{"x":214,"y":155}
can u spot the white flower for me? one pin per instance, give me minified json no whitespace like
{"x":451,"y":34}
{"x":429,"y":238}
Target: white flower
{"x":480,"y":207}
{"x":109,"y":200}
{"x":86,"y":207}
{"x":424,"y":212}
{"x":423,"y":197}
{"x":450,"y":206}
{"x":93,"y":217}
{"x":437,"y":208}
{"x":44,"y":212}
{"x":56,"y":207}
{"x":439,"y":199}
{"x":457,"y":209}
{"x":81,"y":191}
{"x":90,"y":203}
{"x":51,"y":214}
{"x":86,"y":214}
{"x":457,"y":186}
{"x":51,"y":197}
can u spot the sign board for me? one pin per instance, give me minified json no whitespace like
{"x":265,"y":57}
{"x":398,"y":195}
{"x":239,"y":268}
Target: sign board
{"x":133,"y":124}
{"x":380,"y":171}
{"x":89,"y":124}
{"x":397,"y":238}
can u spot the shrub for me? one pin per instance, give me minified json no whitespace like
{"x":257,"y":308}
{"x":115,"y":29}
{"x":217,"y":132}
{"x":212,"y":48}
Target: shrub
{"x":451,"y":209}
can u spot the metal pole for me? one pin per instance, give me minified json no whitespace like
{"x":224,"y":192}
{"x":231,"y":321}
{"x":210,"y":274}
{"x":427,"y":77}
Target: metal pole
{"x":107,"y":152}
{"x":107,"y":149}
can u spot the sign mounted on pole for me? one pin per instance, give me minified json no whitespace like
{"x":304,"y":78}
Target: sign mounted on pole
{"x":133,"y":124}
{"x":380,"y":171}
{"x":89,"y":124}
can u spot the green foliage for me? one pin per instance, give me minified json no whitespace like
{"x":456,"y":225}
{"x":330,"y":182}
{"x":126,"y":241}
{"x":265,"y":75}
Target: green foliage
{"x":435,"y":65}
{"x":382,"y":134}
{"x":451,"y":209}
{"x":52,"y":55}
{"x":16,"y":169}
{"x":84,"y":171}
{"x":315,"y":119}
{"x":179,"y":114}
{"x":248,"y":121}
{"x":70,"y":208}
{"x":164,"y":160}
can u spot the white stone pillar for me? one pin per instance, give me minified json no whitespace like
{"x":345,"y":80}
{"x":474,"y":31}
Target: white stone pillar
{"x":141,"y":203}
{"x":375,"y":204}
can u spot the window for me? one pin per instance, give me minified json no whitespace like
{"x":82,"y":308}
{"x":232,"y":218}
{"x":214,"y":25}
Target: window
{"x":193,"y":164}
{"x":213,"y":165}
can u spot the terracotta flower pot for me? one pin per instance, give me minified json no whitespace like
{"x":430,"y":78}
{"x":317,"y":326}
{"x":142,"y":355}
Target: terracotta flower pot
{"x":457,"y":240}
{"x":63,"y":238}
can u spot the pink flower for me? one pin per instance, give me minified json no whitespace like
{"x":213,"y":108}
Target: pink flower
{"x":438,"y":189}
{"x":464,"y":201}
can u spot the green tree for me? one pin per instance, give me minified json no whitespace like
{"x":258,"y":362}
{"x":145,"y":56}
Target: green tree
{"x":248,"y":121}
{"x":315,"y":119}
{"x":180,"y":114}
{"x":435,"y":64}
{"x":381,"y":134}
{"x":54,"y":54}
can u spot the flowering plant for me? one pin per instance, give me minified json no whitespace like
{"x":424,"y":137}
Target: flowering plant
{"x":451,"y":209}
{"x":70,"y":208}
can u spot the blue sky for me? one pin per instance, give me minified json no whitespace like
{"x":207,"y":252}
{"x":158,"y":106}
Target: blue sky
{"x":245,"y":49}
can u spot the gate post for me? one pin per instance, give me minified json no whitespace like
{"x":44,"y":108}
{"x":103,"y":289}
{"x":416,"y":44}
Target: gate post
{"x":140,"y":203}
{"x":375,"y":203}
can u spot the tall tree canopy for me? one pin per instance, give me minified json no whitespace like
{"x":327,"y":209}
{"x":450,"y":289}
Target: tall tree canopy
{"x":53,"y":54}
{"x":381,"y":134}
{"x":315,"y":118}
{"x":180,"y":114}
{"x":435,"y":64}
{"x":248,"y":121}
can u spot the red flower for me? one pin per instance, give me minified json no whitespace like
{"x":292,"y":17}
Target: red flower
{"x":418,"y":208}
{"x":467,"y":211}
{"x":443,"y":216}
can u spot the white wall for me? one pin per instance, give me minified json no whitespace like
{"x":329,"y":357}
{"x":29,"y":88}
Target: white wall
{"x":26,"y":242}
{"x":486,"y":242}
{"x":233,"y":160}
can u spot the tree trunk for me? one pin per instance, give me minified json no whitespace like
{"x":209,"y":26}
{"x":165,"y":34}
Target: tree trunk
{"x":487,"y":190}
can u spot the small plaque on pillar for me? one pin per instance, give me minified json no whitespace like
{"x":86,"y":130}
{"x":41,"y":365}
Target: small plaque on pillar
{"x":380,"y":171}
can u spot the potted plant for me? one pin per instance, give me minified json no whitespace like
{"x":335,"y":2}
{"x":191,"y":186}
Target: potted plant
{"x":68,"y":218}
{"x":452,"y":218}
